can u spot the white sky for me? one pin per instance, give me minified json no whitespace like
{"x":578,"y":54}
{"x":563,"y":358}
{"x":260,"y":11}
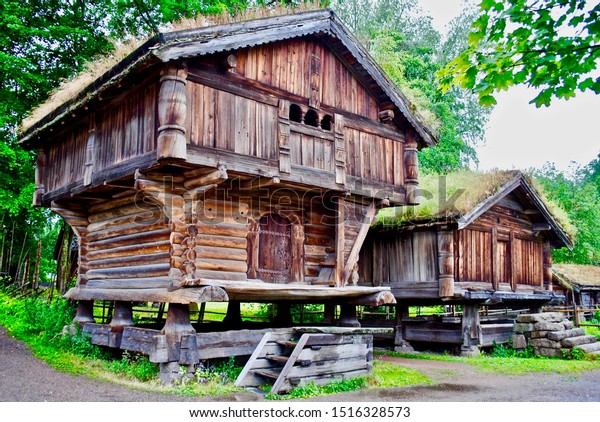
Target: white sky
{"x":521,"y":136}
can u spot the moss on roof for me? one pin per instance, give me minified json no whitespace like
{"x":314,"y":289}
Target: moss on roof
{"x":581,"y":275}
{"x":452,"y":196}
{"x":448,"y":196}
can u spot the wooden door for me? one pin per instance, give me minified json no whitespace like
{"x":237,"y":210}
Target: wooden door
{"x":274,"y":249}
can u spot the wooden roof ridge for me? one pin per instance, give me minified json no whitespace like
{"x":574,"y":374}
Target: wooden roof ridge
{"x":519,"y":181}
{"x":165,"y":47}
{"x":577,"y":275}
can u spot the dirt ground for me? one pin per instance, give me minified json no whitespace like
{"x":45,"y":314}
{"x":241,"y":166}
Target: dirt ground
{"x":23,"y":378}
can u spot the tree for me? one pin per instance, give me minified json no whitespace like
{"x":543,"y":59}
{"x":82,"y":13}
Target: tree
{"x":551,"y":45}
{"x":403,"y":41}
{"x":579,"y":196}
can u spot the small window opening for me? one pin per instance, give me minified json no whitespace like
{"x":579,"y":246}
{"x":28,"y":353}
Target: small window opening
{"x":311,"y":118}
{"x":326,"y":122}
{"x":295,"y":113}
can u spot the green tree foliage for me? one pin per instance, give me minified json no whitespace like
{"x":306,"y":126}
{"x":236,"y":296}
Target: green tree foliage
{"x":551,"y":45}
{"x":402,"y":40}
{"x":579,"y":195}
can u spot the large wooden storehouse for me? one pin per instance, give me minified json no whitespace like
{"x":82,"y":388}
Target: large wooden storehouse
{"x":475,"y":240}
{"x":242,"y":162}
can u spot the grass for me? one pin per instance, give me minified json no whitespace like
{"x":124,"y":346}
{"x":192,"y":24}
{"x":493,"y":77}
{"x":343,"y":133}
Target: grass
{"x":511,"y":365}
{"x":385,"y":375}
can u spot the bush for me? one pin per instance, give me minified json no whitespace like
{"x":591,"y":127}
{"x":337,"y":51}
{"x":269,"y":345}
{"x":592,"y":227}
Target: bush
{"x":506,"y":351}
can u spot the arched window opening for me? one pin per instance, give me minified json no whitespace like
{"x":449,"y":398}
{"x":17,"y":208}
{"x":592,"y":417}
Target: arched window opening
{"x":326,"y":122}
{"x":311,"y":118}
{"x":295,"y":113}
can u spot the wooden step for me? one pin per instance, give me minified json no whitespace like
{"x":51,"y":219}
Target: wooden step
{"x":267,"y":373}
{"x":286,"y":343}
{"x":277,"y":358}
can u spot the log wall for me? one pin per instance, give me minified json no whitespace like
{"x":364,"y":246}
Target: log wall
{"x":126,"y":245}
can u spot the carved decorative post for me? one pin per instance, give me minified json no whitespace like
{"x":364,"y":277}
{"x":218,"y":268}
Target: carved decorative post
{"x":122,"y":317}
{"x":40,"y":168}
{"x":340,"y":150}
{"x":411,"y":168}
{"x":172,"y":111}
{"x":445,"y":240}
{"x":285,"y":163}
{"x":90,"y":153}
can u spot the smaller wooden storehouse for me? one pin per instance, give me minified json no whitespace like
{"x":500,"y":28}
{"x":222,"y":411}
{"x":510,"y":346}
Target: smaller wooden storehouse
{"x":476,"y":240}
{"x":580,"y":284}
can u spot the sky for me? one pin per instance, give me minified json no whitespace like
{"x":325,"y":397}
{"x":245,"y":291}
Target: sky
{"x":521,"y":136}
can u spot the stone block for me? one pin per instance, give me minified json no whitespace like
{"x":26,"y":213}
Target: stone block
{"x":568,"y":324}
{"x":523,"y":328}
{"x":545,"y":343}
{"x":540,"y":334}
{"x":561,"y":335}
{"x":549,"y":326}
{"x":590,"y":348}
{"x":541,"y":317}
{"x":578,"y":341}
{"x":549,"y":353}
{"x":519,"y":341}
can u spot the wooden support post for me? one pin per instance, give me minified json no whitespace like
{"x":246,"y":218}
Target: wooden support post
{"x":178,"y":324}
{"x":340,"y":150}
{"x":283,"y":315}
{"x":445,"y":240}
{"x":513,"y":262}
{"x":85,"y":312}
{"x":329,"y":313}
{"x":471,"y":330}
{"x":233,"y":318}
{"x":285,"y":162}
{"x":358,"y":243}
{"x":315,"y":81}
{"x":411,"y":168}
{"x":122,"y":317}
{"x":172,"y":111}
{"x":90,"y":153}
{"x":401,"y":345}
{"x":547,"y":272}
{"x":340,"y":242}
{"x":495,"y":261}
{"x":40,"y":170}
{"x":348,"y":316}
{"x":297,"y":264}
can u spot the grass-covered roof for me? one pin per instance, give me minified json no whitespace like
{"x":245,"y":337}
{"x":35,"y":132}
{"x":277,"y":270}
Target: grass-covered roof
{"x":457,"y":195}
{"x":580,"y":275}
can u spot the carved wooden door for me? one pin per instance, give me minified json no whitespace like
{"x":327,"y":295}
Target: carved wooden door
{"x":274,"y":249}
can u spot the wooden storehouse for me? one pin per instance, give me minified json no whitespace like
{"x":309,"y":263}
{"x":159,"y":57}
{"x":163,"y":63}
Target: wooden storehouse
{"x":242,"y":162}
{"x":475,"y":240}
{"x":580,"y":284}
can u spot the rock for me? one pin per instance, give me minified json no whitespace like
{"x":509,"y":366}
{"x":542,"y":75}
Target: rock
{"x":568,"y":324}
{"x":549,"y":326}
{"x":544,"y":316}
{"x":545,"y":343}
{"x":523,"y":328}
{"x":519,"y":341}
{"x":540,"y":334}
{"x":561,"y":335}
{"x":549,"y":353}
{"x":578,"y":341}
{"x":590,"y":347}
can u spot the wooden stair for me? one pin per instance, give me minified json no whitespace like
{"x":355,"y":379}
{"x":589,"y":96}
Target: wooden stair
{"x":315,"y":357}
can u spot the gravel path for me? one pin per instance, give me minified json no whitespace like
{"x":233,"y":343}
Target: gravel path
{"x":24,"y":378}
